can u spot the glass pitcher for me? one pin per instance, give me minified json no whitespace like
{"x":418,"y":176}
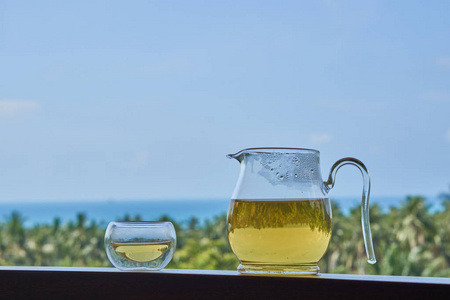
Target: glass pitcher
{"x":279,"y":220}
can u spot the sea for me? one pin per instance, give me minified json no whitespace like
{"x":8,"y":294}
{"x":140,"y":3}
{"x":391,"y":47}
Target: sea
{"x":179,"y":210}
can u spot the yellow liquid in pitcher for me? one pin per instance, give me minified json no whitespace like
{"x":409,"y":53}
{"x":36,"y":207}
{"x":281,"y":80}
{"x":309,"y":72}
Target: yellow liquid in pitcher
{"x":279,"y":232}
{"x":141,"y":251}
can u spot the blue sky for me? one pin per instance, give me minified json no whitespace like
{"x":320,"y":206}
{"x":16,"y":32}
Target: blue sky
{"x":106,"y":99}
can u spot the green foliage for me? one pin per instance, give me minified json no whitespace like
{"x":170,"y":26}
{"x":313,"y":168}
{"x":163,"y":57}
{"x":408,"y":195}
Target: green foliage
{"x":409,"y":240}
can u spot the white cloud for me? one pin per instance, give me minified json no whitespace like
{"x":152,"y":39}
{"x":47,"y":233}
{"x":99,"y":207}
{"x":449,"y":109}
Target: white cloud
{"x":142,"y":158}
{"x":447,"y":136}
{"x":376,"y":149}
{"x":352,"y":106}
{"x":443,"y":61}
{"x":321,"y":138}
{"x":137,"y":160}
{"x":436,"y":96}
{"x":12,"y":107}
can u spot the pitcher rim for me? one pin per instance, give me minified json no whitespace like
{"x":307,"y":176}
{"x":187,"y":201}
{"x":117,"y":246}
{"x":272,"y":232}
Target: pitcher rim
{"x":268,"y":150}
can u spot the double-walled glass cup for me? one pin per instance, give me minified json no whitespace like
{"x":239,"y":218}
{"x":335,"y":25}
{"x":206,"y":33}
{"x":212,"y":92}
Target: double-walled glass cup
{"x":140,"y":245}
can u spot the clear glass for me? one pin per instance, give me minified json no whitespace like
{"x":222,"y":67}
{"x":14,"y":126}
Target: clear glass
{"x":140,"y":245}
{"x":280,"y":219}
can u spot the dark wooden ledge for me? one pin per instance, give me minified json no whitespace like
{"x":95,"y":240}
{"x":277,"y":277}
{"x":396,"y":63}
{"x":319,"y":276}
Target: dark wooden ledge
{"x":109,"y":283}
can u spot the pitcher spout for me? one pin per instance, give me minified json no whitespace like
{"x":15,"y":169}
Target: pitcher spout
{"x":236,"y":155}
{"x":239,"y":155}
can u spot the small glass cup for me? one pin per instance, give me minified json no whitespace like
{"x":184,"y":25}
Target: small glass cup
{"x":140,"y":245}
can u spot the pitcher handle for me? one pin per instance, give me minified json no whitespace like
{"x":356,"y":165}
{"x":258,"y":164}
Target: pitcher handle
{"x":365,"y":222}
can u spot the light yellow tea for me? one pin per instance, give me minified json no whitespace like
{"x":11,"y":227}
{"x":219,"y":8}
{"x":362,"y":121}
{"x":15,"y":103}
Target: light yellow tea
{"x":141,"y":251}
{"x":279,"y":232}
